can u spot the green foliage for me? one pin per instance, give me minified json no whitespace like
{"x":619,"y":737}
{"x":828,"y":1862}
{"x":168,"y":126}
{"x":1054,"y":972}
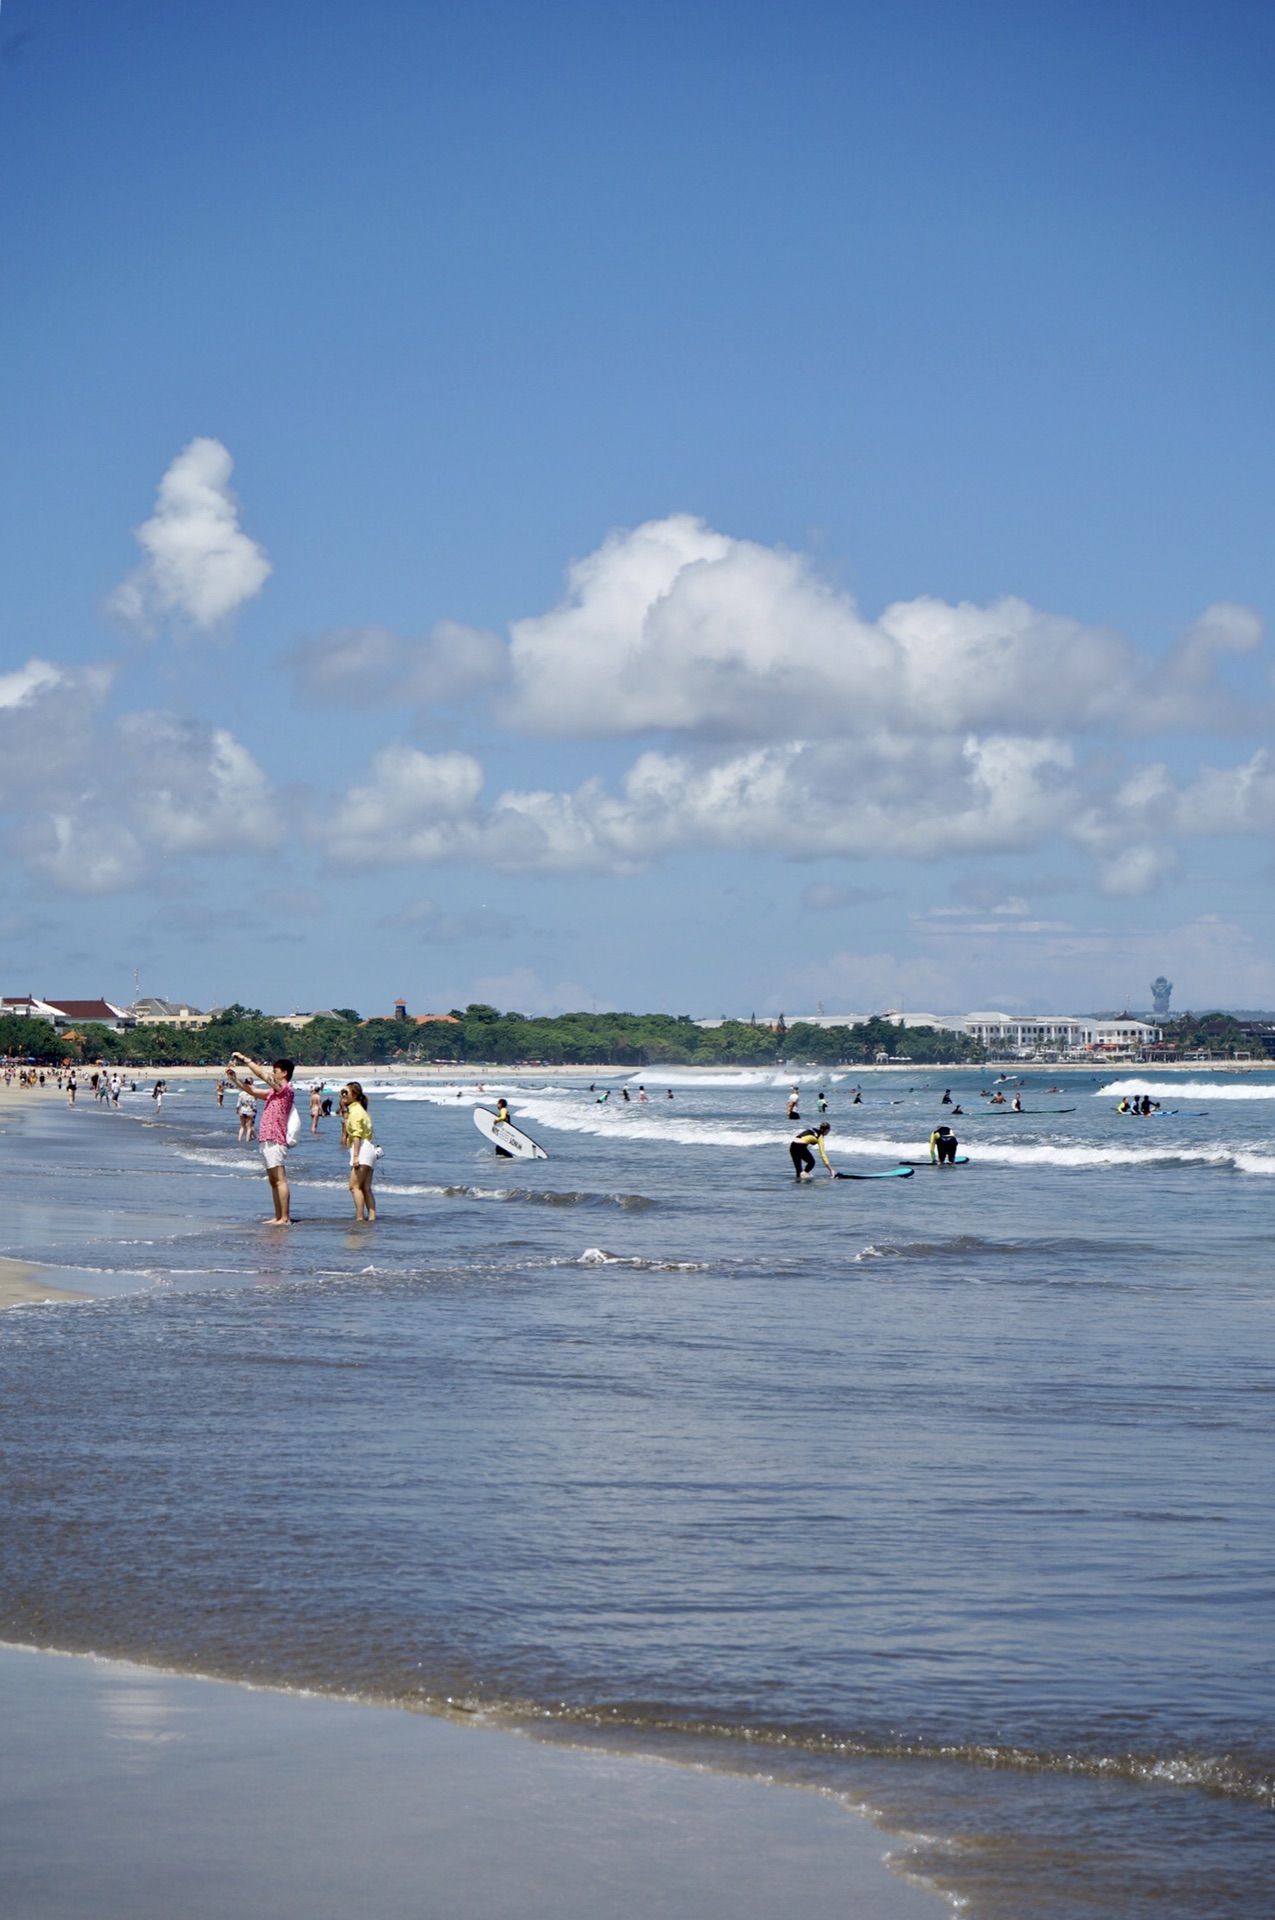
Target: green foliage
{"x":1219,"y":1034}
{"x":23,"y":1039}
{"x":482,"y":1034}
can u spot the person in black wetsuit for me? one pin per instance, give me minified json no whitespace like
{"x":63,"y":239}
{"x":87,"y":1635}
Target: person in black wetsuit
{"x":943,"y":1144}
{"x":803,"y":1161}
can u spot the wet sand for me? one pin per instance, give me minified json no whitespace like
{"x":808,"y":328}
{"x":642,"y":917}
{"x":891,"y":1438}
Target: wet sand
{"x":21,"y":1286}
{"x":131,"y":1794}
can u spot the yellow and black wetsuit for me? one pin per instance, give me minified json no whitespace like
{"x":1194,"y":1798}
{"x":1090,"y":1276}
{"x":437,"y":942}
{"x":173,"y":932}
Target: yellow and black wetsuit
{"x":942,"y":1145}
{"x":803,"y":1161}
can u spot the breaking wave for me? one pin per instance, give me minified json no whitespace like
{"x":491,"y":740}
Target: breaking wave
{"x":1193,"y":1089}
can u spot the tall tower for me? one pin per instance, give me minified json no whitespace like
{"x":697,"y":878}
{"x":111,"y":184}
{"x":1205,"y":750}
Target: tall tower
{"x":1161,"y":989}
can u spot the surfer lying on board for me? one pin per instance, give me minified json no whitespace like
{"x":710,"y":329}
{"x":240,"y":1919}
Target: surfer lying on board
{"x":803,"y":1161}
{"x":943,"y":1144}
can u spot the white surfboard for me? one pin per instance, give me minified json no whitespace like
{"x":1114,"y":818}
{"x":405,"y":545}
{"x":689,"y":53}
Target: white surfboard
{"x":503,"y":1133}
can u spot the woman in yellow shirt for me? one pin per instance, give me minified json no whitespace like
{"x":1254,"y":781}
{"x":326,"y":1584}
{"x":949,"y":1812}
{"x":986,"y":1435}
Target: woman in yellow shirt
{"x":356,"y":1134}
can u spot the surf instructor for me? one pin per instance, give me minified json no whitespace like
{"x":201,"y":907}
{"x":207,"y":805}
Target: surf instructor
{"x":803,"y":1161}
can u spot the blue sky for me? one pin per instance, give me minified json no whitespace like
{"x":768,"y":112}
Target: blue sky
{"x":716,"y":507}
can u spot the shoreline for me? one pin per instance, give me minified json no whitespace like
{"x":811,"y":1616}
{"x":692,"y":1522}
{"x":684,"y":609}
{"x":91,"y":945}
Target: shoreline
{"x":19,"y":1289}
{"x":488,"y":1069}
{"x":208,"y":1796}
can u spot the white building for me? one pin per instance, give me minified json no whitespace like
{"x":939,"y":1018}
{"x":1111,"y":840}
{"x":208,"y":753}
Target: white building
{"x":1057,"y":1033}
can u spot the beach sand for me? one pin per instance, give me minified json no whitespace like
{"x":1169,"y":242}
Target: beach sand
{"x":21,"y":1286}
{"x":131,"y":1794}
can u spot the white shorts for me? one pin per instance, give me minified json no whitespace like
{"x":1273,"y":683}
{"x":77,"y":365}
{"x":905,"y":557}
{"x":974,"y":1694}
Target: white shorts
{"x":274,"y":1156}
{"x":362,"y":1154}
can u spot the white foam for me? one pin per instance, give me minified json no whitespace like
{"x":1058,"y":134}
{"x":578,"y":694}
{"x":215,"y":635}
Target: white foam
{"x":1178,"y":1090}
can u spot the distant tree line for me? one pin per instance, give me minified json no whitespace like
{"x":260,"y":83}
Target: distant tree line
{"x":482,"y":1034}
{"x":1220,"y":1034}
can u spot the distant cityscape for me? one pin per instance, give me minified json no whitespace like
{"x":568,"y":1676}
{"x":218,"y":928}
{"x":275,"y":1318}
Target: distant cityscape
{"x":1042,"y":1036}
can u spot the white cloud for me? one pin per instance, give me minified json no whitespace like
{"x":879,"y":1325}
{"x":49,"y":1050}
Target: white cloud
{"x":195,"y":789}
{"x":917,"y":799}
{"x":94,"y":801}
{"x":370,"y":666}
{"x":799,"y":727}
{"x":19,"y":688}
{"x":198,"y":562}
{"x":416,"y":806}
{"x":674,"y":626}
{"x":1183,"y":690}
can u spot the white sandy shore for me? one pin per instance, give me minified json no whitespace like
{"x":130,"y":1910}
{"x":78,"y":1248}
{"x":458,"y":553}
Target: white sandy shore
{"x":131,"y":1794}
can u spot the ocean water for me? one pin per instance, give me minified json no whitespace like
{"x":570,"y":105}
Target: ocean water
{"x":950,"y":1493}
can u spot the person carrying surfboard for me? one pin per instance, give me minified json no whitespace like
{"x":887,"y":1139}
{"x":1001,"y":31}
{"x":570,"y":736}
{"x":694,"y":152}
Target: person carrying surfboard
{"x":943,"y":1145}
{"x":803,"y":1161}
{"x":502,"y":1109}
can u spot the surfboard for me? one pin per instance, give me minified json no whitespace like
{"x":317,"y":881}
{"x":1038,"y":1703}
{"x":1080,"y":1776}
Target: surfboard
{"x":504,"y":1135}
{"x":885,"y":1173}
{"x":961,"y":1160}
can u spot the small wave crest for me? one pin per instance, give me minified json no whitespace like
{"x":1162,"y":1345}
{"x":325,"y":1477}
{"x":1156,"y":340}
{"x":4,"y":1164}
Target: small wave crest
{"x":599,"y":1257}
{"x":531,"y":1196}
{"x":1176,"y":1090}
{"x":1224,"y":1774}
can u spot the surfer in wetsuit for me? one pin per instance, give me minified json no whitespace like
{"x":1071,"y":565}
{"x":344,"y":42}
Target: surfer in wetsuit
{"x":943,"y":1144}
{"x":502,"y":1110}
{"x":946,"y":1101}
{"x":803,"y":1161}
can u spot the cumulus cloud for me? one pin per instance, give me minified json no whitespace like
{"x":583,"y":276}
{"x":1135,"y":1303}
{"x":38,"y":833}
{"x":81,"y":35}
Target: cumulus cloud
{"x":195,"y":789}
{"x":95,"y":800}
{"x":1183,"y":690}
{"x":415,"y":806}
{"x":918,"y":799}
{"x":198,"y":563}
{"x":371,"y":667}
{"x":18,"y":689}
{"x":674,"y":626}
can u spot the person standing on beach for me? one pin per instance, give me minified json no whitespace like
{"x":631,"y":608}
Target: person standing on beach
{"x":357,"y":1135}
{"x":274,"y":1089}
{"x":70,"y":1088}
